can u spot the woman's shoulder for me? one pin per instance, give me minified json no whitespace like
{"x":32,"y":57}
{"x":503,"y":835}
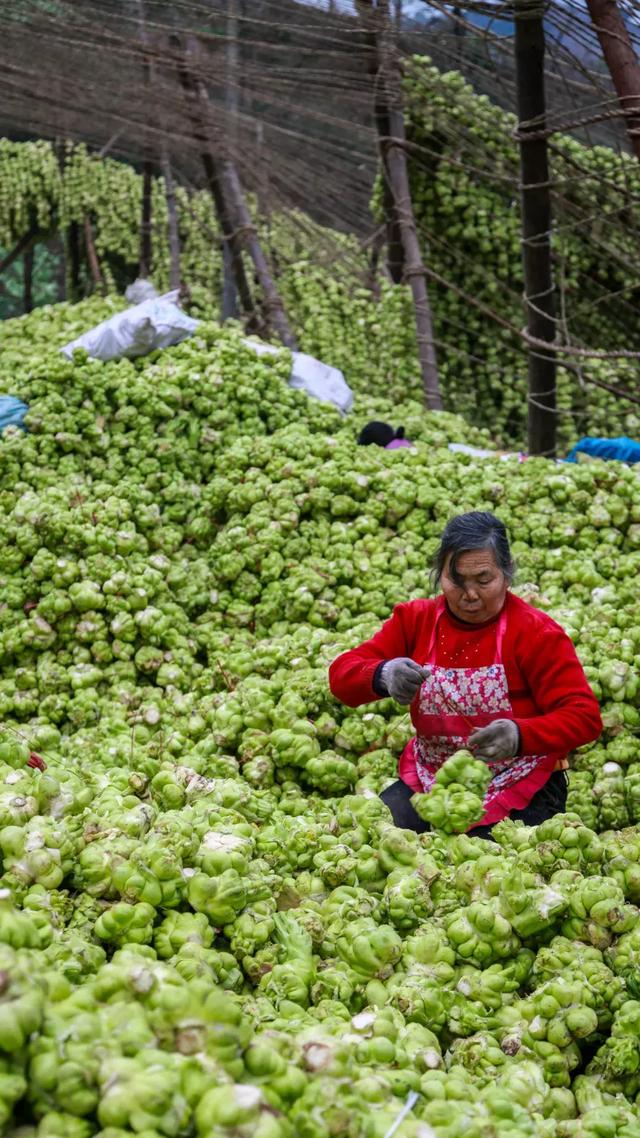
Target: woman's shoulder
{"x":427,"y":604}
{"x":420,"y":609}
{"x":530,"y":620}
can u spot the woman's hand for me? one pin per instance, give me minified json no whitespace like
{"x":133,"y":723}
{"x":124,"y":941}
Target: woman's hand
{"x":500,"y":740}
{"x":402,"y":677}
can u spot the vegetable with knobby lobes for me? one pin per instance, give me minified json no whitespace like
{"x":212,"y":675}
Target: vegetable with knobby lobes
{"x":209,"y":923}
{"x":456,"y":800}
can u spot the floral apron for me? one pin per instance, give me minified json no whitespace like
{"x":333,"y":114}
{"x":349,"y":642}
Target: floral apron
{"x":451,"y":704}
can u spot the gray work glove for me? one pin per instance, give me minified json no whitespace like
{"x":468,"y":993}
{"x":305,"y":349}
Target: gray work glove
{"x":500,"y":740}
{"x":402,"y":677}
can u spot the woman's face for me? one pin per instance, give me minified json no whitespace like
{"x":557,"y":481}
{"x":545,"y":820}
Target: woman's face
{"x":483,"y":588}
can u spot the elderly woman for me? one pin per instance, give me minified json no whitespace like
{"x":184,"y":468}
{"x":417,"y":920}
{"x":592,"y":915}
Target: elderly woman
{"x":483,"y":669}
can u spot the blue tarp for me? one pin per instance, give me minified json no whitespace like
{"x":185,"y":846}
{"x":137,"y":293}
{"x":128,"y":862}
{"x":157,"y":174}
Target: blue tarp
{"x":622,"y":449}
{"x":12,"y":412}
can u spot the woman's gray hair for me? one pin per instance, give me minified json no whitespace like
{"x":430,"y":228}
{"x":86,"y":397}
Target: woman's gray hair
{"x":476,"y":530}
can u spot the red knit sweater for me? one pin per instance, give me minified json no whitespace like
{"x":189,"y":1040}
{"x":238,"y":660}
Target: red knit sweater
{"x":552,"y":702}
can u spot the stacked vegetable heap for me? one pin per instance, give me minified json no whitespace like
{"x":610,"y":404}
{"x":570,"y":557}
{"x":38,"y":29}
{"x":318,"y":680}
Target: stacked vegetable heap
{"x":209,"y":926}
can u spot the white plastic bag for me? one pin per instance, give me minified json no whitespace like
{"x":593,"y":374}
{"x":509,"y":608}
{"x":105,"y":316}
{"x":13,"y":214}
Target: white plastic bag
{"x":309,"y":374}
{"x":318,"y":379}
{"x":156,"y":323}
{"x":140,"y":291}
{"x":262,"y":349}
{"x":477,"y":452}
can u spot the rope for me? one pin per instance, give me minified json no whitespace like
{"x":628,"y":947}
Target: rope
{"x":532,"y":341}
{"x":97,"y":95}
{"x":524,"y":133}
{"x":579,"y":353}
{"x":416,"y":271}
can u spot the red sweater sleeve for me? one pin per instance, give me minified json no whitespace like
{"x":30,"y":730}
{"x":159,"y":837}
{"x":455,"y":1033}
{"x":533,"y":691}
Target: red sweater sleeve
{"x":351,"y":674}
{"x":569,"y":715}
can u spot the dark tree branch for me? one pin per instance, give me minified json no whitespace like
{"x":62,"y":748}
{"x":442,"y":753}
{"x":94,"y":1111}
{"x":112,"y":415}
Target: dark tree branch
{"x":273,"y":303}
{"x":389,"y":83}
{"x":25,"y":243}
{"x":92,"y":256}
{"x":27,"y":280}
{"x":73,"y":259}
{"x":395,"y":249}
{"x":621,"y":60}
{"x":197,"y":101}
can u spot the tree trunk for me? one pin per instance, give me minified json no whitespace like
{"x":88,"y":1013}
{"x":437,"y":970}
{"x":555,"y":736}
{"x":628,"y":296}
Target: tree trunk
{"x":174,"y":231}
{"x":197,"y":100}
{"x":232,"y":73}
{"x":273,"y":303}
{"x":536,"y":223}
{"x":229,"y":305}
{"x":146,"y":226}
{"x":70,"y":240}
{"x":235,"y":219}
{"x":395,"y":250}
{"x":621,"y":60}
{"x":232,"y":102}
{"x":25,"y":243}
{"x":73,"y":260}
{"x":395,"y":246}
{"x":27,"y":280}
{"x":146,"y":229}
{"x":414,"y":268}
{"x":389,"y":80}
{"x":61,"y":268}
{"x":377,"y":245}
{"x":92,"y":256}
{"x":458,"y":32}
{"x":263,"y":187}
